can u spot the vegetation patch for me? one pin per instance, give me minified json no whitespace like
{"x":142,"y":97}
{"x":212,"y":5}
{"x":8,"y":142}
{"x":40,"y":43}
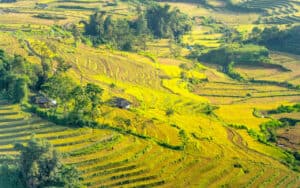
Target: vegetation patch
{"x":76,"y":7}
{"x":241,"y":54}
{"x":277,"y":39}
{"x":286,"y":109}
{"x":50,"y":16}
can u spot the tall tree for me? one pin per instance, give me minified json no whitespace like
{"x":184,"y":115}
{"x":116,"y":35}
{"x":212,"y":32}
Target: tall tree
{"x":94,"y":92}
{"x":59,"y":87}
{"x":40,"y":166}
{"x":166,"y":23}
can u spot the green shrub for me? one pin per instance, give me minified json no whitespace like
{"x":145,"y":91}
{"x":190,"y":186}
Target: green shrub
{"x":238,"y":126}
{"x":286,"y":109}
{"x":269,"y":129}
{"x":232,"y":73}
{"x":257,"y":136}
{"x":75,"y":7}
{"x":237,"y":165}
{"x":50,"y":16}
{"x":170,"y":111}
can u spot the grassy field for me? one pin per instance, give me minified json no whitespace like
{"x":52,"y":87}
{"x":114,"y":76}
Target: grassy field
{"x":213,"y":154}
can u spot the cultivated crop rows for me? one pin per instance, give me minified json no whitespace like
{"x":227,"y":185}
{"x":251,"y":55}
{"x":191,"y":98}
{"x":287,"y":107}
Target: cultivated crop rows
{"x":276,"y":11}
{"x":108,"y":159}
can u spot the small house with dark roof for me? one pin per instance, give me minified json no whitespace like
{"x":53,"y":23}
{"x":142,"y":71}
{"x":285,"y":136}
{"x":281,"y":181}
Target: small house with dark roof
{"x":120,"y":103}
{"x":43,"y":101}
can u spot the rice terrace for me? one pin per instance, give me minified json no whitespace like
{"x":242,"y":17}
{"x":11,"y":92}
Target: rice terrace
{"x":149,"y":93}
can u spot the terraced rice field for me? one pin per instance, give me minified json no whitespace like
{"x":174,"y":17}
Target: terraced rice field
{"x":203,"y":36}
{"x":109,"y":159}
{"x":276,"y":11}
{"x":238,"y":93}
{"x":290,"y":62}
{"x":212,"y":154}
{"x":218,"y":13}
{"x":289,"y":137}
{"x":104,"y":157}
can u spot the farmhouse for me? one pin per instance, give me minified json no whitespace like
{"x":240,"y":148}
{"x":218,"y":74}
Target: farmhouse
{"x":120,"y":103}
{"x":44,"y":102}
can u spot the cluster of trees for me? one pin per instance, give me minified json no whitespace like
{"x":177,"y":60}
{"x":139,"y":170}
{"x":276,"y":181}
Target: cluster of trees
{"x":166,"y":23}
{"x":17,"y":75}
{"x":158,"y":21}
{"x":18,"y":78}
{"x":238,"y":53}
{"x":79,"y":103}
{"x":286,"y":109}
{"x":276,"y":39}
{"x":40,"y":166}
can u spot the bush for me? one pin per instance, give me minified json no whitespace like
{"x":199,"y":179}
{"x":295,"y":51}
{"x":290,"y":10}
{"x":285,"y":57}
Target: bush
{"x":232,"y":73}
{"x":75,"y":7}
{"x":50,"y":16}
{"x":297,"y":155}
{"x":269,"y":129}
{"x":286,"y":109}
{"x":257,"y":136}
{"x":237,"y":165}
{"x":238,"y":126}
{"x":209,"y":109}
{"x":169,"y":111}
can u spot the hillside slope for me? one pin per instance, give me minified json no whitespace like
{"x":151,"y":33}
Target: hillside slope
{"x":183,"y":129}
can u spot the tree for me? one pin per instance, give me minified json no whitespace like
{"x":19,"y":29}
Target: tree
{"x":166,"y":23}
{"x":40,"y":166}
{"x":59,"y":87}
{"x":81,"y":102}
{"x":140,"y":25}
{"x":18,"y":89}
{"x":124,"y":34}
{"x":62,"y":66}
{"x":94,"y":93}
{"x":68,"y":176}
{"x":76,"y":33}
{"x":95,"y":26}
{"x":108,"y":27}
{"x":87,"y":101}
{"x":16,"y":76}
